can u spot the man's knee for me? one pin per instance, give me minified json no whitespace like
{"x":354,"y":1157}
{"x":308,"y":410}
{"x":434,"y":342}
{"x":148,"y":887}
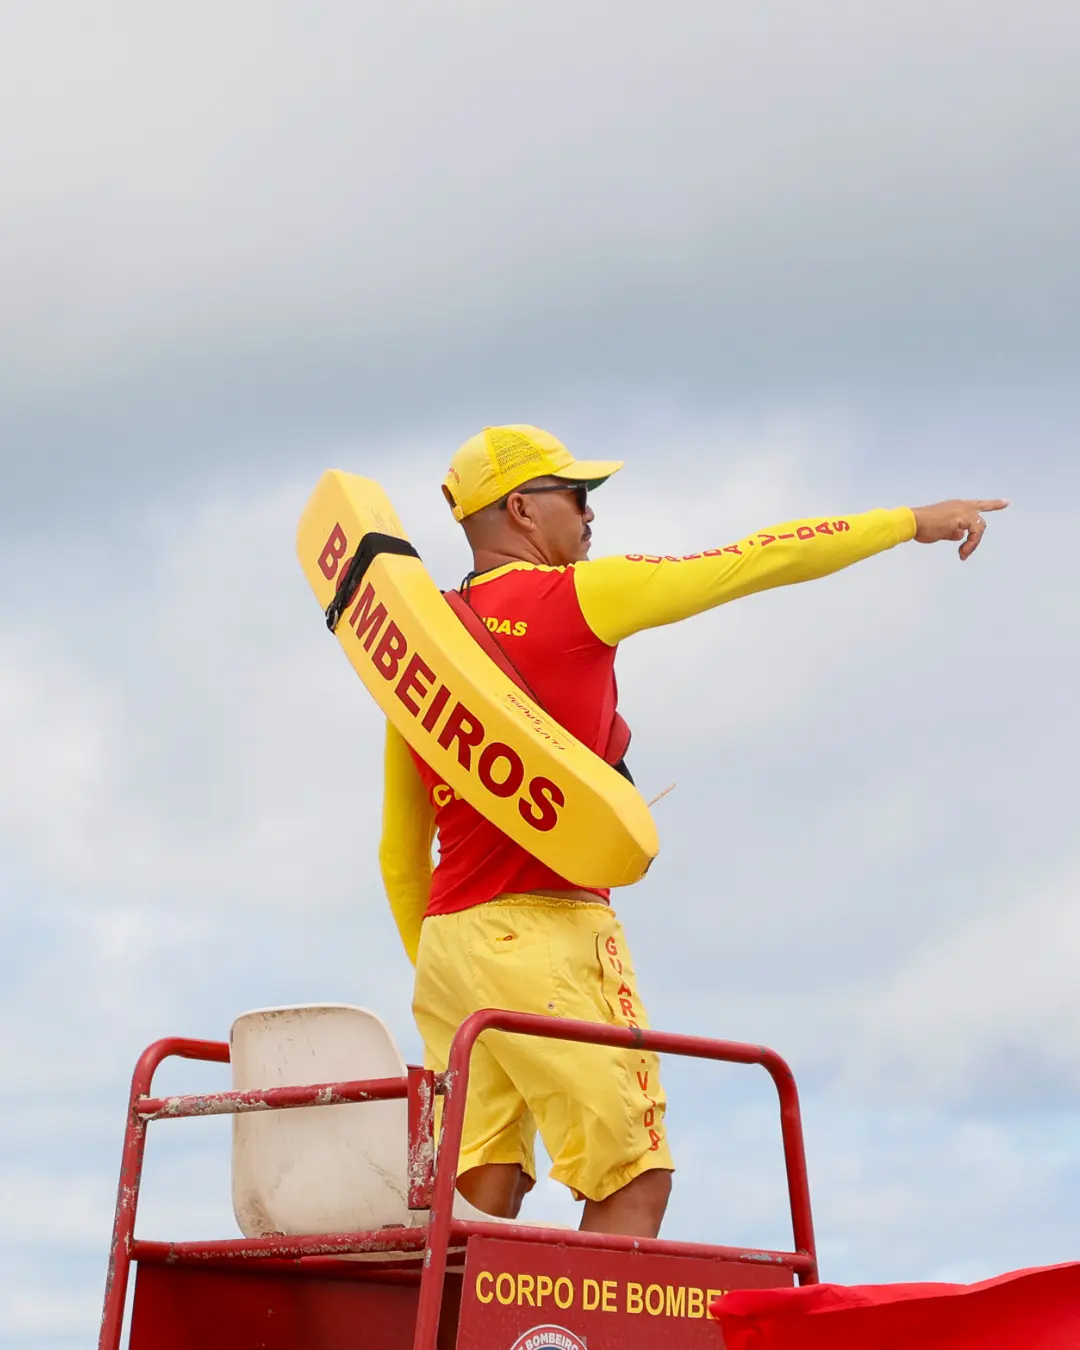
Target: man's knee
{"x":495,"y":1188}
{"x":652,"y":1188}
{"x":636,"y":1209}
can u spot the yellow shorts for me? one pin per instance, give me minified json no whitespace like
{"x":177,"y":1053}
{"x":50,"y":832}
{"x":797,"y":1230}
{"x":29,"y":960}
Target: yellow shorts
{"x":600,"y":1111}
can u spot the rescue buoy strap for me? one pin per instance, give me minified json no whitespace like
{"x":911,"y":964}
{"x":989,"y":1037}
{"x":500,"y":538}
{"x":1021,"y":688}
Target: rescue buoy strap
{"x":460,"y":602}
{"x":370,"y":546}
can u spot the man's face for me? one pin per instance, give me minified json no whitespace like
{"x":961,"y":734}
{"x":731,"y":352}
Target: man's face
{"x":563,"y":518}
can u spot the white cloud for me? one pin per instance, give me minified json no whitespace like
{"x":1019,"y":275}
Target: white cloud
{"x":41,"y":1207}
{"x":986,"y":1004}
{"x":220,"y":751}
{"x":42,"y":1312}
{"x":236,"y":186}
{"x":54,"y":732}
{"x":897,"y":1195}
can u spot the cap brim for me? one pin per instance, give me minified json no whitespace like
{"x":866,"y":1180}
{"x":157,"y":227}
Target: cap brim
{"x":591,"y":471}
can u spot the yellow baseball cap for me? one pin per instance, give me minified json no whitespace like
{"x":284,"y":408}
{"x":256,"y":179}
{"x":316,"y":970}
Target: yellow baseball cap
{"x":499,"y":459}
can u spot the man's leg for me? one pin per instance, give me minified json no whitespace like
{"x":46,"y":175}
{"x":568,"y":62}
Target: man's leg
{"x":497,"y":1123}
{"x":496,"y":1188}
{"x":637,"y":1209}
{"x":599,"y":1110}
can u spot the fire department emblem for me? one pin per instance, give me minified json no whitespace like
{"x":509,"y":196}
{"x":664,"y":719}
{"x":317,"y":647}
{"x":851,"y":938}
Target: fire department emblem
{"x":549,"y":1338}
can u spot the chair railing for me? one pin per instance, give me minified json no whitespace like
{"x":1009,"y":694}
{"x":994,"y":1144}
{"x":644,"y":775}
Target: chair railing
{"x":429,"y":1187}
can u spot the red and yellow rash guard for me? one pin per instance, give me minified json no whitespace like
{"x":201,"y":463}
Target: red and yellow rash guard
{"x":561,"y":627}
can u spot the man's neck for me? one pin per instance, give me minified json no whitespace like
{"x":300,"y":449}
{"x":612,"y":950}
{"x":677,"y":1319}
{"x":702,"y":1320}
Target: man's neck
{"x":486,"y":559}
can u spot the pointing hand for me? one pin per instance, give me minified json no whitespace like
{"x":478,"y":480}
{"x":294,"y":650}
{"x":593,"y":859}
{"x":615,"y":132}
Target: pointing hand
{"x":954,"y":520}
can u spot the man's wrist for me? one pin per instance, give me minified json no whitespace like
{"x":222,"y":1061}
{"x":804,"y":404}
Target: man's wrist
{"x":909,"y":523}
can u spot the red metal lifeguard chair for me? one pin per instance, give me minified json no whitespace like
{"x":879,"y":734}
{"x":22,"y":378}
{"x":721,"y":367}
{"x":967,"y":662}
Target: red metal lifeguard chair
{"x":420,"y":1270}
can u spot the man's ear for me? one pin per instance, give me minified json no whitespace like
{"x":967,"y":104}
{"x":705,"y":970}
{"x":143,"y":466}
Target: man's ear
{"x":519,"y":511}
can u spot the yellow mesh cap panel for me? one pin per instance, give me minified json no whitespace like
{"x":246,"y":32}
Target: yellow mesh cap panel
{"x":499,"y":459}
{"x":514,"y":451}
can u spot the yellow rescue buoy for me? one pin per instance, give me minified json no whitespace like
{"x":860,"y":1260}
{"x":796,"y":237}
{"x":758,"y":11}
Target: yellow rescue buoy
{"x":464,"y":716}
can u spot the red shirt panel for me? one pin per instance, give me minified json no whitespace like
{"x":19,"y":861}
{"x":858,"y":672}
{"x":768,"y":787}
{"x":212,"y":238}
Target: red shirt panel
{"x":572,"y":673}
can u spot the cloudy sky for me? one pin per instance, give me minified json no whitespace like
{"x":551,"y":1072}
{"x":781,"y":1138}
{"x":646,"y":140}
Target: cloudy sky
{"x":782,"y":258}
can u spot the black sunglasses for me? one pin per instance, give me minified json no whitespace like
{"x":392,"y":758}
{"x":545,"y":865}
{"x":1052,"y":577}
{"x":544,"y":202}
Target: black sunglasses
{"x":580,"y":491}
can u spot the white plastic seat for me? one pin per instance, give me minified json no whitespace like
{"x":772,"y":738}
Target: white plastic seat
{"x":326,"y":1169}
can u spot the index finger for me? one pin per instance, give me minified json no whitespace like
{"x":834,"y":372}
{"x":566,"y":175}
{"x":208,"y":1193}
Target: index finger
{"x":998,"y":504}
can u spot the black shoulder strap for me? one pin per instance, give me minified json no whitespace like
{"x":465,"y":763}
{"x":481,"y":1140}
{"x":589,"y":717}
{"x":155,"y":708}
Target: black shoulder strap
{"x":370,"y":546}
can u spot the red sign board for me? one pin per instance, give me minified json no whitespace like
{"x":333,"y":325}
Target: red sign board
{"x":532,"y":1296}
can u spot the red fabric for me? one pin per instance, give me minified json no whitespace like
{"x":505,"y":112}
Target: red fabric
{"x":539,"y":623}
{"x":1035,"y":1309}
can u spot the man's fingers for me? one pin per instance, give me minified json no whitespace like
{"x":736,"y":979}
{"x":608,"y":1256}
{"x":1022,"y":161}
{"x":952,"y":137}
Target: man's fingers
{"x":975,"y":525}
{"x":976,"y":529}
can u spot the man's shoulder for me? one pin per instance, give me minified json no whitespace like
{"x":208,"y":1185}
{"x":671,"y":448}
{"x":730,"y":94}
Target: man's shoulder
{"x":521,"y":576}
{"x":531,"y":598}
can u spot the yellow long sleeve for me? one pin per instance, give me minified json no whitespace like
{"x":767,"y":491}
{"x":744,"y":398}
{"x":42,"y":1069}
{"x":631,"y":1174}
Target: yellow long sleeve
{"x":622,"y":595}
{"x":408,"y":828}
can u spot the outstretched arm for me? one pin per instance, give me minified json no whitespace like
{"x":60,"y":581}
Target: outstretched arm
{"x":622,"y":595}
{"x":408,"y":828}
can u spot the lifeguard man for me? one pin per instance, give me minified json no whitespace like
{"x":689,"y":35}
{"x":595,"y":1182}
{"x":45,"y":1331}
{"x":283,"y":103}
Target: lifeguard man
{"x":490,"y":926}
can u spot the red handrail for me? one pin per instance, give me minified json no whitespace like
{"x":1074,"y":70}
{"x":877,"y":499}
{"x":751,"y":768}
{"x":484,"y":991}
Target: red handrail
{"x":424,"y":1190}
{"x":131,"y":1163}
{"x":442,"y":1225}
